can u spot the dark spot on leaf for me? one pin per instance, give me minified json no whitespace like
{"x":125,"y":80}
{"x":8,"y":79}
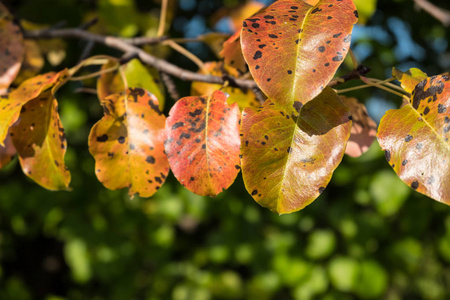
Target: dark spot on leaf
{"x":237,"y":167}
{"x":326,"y":64}
{"x":337,"y":58}
{"x":321,"y":189}
{"x":121,"y":139}
{"x":441,"y":109}
{"x":268,"y":17}
{"x":258,"y":54}
{"x":289,"y":72}
{"x":289,"y":150}
{"x":192,"y":179}
{"x":387,"y":154}
{"x":316,"y":10}
{"x":337,"y":35}
{"x":255,"y":25}
{"x":196,"y":113}
{"x":177,"y":125}
{"x":404,"y":162}
{"x":415,"y":184}
{"x":419,"y":146}
{"x":158,"y":179}
{"x":321,"y":49}
{"x":262,"y":46}
{"x":269,"y":79}
{"x":102,"y":138}
{"x":150,"y":159}
{"x":408,"y":138}
{"x":255,"y":192}
{"x":273,"y":36}
{"x":356,"y":14}
{"x":110,"y":154}
{"x":204,"y":146}
{"x":426,"y":110}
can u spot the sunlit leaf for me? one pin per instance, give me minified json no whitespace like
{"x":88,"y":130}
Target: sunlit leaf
{"x":7,"y":153}
{"x":238,"y":15}
{"x":214,"y":40}
{"x":232,"y":52}
{"x":33,"y":61}
{"x":137,"y":76}
{"x":202,"y":143}
{"x":11,"y":49}
{"x":364,"y":129}
{"x":11,"y":105}
{"x":293,"y":49}
{"x":288,"y":160}
{"x":410,"y":78}
{"x":128,"y":143}
{"x":41,"y":142}
{"x":416,"y":138}
{"x":243,"y":98}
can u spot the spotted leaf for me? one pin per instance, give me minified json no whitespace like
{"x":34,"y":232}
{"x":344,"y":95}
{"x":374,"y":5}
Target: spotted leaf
{"x":410,"y":78}
{"x":293,"y":49}
{"x":232,"y":53}
{"x":7,"y":153}
{"x":416,"y":138}
{"x":11,"y":105}
{"x":137,"y":76}
{"x":202,"y":143}
{"x":128,"y":143}
{"x":364,"y":129}
{"x":11,"y":49}
{"x":244,"y":98}
{"x":41,"y":143}
{"x":288,"y":159}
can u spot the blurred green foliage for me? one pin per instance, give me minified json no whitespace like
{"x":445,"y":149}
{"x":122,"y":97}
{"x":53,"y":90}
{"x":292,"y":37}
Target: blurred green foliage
{"x":368,"y":236}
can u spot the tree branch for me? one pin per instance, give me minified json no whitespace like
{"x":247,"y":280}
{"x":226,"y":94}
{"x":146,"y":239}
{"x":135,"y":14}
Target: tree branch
{"x":438,"y":13}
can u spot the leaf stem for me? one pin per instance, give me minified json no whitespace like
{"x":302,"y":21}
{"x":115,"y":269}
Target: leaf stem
{"x":381,"y":86}
{"x":186,"y":53}
{"x":162,"y":19}
{"x":354,"y":60}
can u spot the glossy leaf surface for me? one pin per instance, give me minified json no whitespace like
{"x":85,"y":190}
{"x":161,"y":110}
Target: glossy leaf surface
{"x":11,"y":49}
{"x":11,"y":105}
{"x":128,"y":143}
{"x":243,"y":98}
{"x":294,"y":49}
{"x":364,"y":129}
{"x":288,"y":160}
{"x":137,"y":76}
{"x":41,"y":142}
{"x":410,"y":78}
{"x":416,"y":138}
{"x":202,"y":143}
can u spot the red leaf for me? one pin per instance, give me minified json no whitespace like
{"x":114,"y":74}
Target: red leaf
{"x":288,"y":159}
{"x":416,"y":138}
{"x":128,"y":143}
{"x":11,"y":49}
{"x":294,"y":49}
{"x":364,"y":129}
{"x":41,"y":142}
{"x":202,"y":143}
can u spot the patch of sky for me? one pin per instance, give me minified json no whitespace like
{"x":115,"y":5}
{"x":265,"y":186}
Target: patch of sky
{"x":266,"y":2}
{"x":406,"y":47}
{"x":187,"y":5}
{"x":377,"y":107}
{"x":224,"y":25}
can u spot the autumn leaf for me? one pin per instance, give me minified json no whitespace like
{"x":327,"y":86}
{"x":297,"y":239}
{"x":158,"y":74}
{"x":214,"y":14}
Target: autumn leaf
{"x":244,"y":98}
{"x":410,"y":78}
{"x":214,"y":40}
{"x":288,"y":159}
{"x":232,"y":53}
{"x":202,"y":143}
{"x":41,"y":143}
{"x":33,"y":62}
{"x":137,"y":76}
{"x":416,"y":138}
{"x":128,"y":143}
{"x":11,"y":49}
{"x":11,"y":104}
{"x":364,"y":129}
{"x":7,"y":153}
{"x":293,"y":49}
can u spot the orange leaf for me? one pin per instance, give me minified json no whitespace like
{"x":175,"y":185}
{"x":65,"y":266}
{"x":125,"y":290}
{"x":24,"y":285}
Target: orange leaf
{"x":232,"y":53}
{"x":294,"y":49}
{"x":202,"y":143}
{"x":7,"y":153}
{"x":288,"y":159}
{"x":128,"y":143}
{"x":416,"y":138}
{"x":410,"y":78}
{"x":41,"y":142}
{"x":243,"y":98}
{"x":364,"y":129}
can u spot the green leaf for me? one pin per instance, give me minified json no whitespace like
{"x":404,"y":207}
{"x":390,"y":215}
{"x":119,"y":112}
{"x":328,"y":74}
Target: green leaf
{"x":243,"y":98}
{"x":11,"y":49}
{"x":321,"y":243}
{"x":416,"y":138}
{"x":137,"y":76}
{"x":364,"y":129}
{"x":293,"y":49}
{"x":344,"y":273}
{"x":410,"y":78}
{"x":128,"y":143}
{"x":202,"y":143}
{"x":372,"y":280}
{"x":388,"y":192}
{"x":288,"y":159}
{"x":41,"y":142}
{"x":11,"y":105}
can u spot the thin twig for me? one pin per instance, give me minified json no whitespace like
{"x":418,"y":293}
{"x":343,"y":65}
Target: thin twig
{"x":170,"y":85}
{"x":87,"y":50}
{"x":186,"y":53}
{"x":162,"y":19}
{"x":440,"y":14}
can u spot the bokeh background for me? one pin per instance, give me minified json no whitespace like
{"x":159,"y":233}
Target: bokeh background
{"x":368,"y":236}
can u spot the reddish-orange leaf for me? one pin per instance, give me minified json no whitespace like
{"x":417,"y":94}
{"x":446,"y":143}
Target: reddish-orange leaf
{"x":244,"y":98}
{"x":364,"y":129}
{"x":416,"y":138}
{"x":128,"y":143}
{"x":11,"y":49}
{"x":242,"y":12}
{"x":41,"y":142}
{"x":410,"y":78}
{"x":288,"y":159}
{"x":7,"y":153}
{"x":202,"y":143}
{"x":232,"y":53}
{"x":293,"y":49}
{"x":11,"y":105}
